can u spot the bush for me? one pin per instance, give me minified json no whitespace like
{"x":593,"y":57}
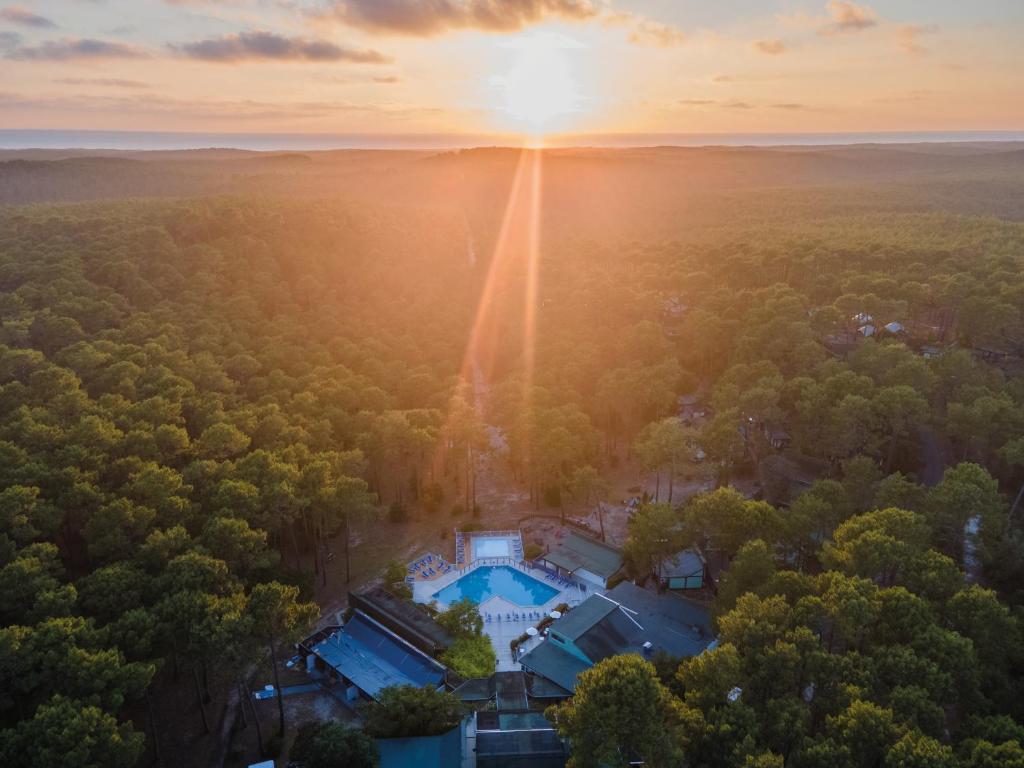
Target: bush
{"x":397,"y":513}
{"x":552,"y":496}
{"x":326,"y":745}
{"x":471,"y":656}
{"x":477,"y":511}
{"x":532,"y":551}
{"x":431,"y":497}
{"x":458,"y":510}
{"x":405,"y":711}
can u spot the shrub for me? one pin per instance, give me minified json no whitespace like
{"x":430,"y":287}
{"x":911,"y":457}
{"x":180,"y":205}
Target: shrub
{"x":397,"y":513}
{"x":405,"y":711}
{"x":532,"y":551}
{"x":458,"y":510}
{"x":471,"y":656}
{"x":325,"y":745}
{"x":477,"y":511}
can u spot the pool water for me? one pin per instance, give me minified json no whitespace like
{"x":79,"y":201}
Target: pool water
{"x":490,"y":546}
{"x":501,"y":580}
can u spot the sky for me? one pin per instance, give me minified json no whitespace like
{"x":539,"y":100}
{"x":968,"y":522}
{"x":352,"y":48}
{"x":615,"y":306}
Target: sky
{"x":512,"y":66}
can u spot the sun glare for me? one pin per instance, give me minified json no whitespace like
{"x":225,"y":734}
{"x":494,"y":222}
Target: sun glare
{"x":540,"y":90}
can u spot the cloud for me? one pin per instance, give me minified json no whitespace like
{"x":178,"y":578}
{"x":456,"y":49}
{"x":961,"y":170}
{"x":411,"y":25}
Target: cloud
{"x":9,"y":40}
{"x":108,"y":82}
{"x":770,"y":47}
{"x":789,"y":106}
{"x":645,"y":31}
{"x":76,"y":48}
{"x":216,"y":110}
{"x":909,"y":37}
{"x":431,"y":17}
{"x":847,"y":16}
{"x":388,"y":79}
{"x":250,"y":46}
{"x":715,"y":103}
{"x":17,"y":14}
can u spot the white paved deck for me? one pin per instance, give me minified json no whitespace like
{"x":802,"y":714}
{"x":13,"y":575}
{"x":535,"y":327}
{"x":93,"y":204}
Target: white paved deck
{"x":514,"y":618}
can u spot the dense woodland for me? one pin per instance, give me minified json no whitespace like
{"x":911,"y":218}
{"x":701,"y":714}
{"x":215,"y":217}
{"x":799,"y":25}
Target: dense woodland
{"x":199,"y":397}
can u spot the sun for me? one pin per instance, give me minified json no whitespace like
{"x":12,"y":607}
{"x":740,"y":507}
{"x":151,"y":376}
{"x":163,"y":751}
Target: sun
{"x":540,"y":90}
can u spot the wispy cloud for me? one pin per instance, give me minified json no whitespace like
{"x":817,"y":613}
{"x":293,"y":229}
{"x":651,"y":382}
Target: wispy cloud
{"x":254,"y":46}
{"x":645,"y":31}
{"x":909,"y":37}
{"x":17,"y":14}
{"x":215,"y":110}
{"x":76,"y":48}
{"x":847,"y":16}
{"x":789,"y":106}
{"x":770,"y":47}
{"x":431,"y":17}
{"x":106,"y":82}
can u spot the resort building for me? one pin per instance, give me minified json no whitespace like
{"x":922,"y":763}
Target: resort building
{"x":403,"y":618}
{"x":583,"y":558}
{"x":627,"y":619}
{"x":365,"y":657}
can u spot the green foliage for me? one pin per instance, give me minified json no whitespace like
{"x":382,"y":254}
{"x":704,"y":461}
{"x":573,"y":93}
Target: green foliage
{"x":620,"y":713}
{"x":404,"y":711}
{"x":471,"y":656}
{"x":462,"y":619}
{"x":65,"y":734}
{"x":333,"y":745}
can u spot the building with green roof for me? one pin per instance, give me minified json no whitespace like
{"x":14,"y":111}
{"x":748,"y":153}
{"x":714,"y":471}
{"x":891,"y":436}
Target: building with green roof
{"x":584,"y":558}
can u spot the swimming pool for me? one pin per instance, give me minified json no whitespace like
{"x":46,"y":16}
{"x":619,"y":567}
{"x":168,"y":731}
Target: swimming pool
{"x":501,"y":580}
{"x":490,"y":546}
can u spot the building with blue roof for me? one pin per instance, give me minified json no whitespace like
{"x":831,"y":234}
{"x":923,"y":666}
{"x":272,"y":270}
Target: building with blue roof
{"x":626,"y":619}
{"x":369,"y":657}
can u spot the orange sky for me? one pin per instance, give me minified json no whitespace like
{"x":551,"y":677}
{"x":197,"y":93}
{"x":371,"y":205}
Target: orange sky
{"x":522,"y":66}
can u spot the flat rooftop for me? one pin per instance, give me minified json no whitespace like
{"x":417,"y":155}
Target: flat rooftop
{"x":374,"y":658}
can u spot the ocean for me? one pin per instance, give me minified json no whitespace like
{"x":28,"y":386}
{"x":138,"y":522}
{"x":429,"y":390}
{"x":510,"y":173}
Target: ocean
{"x":154,"y":140}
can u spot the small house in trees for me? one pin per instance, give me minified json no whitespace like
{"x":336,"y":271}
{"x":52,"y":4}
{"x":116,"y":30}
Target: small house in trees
{"x":894,"y":327}
{"x":684,"y":570}
{"x":777,"y":436}
{"x":626,"y":619}
{"x":583,"y":558}
{"x":867,"y":330}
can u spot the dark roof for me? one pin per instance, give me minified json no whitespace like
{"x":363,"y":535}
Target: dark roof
{"x":557,"y":665}
{"x":541,"y":688}
{"x":581,"y":618}
{"x":685,"y":563}
{"x":477,"y":689}
{"x":374,"y":658}
{"x":510,"y":690}
{"x":616,"y":633}
{"x":576,"y":551}
{"x":402,"y":617}
{"x":672,"y":623}
{"x":518,"y":733}
{"x":518,"y":744}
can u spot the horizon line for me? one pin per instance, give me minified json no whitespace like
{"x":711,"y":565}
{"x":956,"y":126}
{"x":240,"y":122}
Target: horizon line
{"x":27,"y":139}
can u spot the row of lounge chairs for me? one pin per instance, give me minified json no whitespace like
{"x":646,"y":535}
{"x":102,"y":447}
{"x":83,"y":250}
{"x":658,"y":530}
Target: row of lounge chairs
{"x":558,"y":581}
{"x":524,"y":616}
{"x":428,"y":567}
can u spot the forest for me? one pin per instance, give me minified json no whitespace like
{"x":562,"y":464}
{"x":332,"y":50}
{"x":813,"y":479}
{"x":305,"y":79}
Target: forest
{"x":203,"y":394}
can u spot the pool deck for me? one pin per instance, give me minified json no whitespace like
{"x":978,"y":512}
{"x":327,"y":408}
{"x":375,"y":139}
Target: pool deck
{"x":504,"y":631}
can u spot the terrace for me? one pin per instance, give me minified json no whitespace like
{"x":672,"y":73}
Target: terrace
{"x":511,"y":594}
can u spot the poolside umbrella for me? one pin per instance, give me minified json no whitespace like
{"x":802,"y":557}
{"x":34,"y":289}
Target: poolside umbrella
{"x":531,"y":631}
{"x":555,"y":614}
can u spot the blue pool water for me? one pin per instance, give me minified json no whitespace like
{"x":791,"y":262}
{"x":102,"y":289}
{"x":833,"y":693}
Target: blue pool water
{"x":501,"y":580}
